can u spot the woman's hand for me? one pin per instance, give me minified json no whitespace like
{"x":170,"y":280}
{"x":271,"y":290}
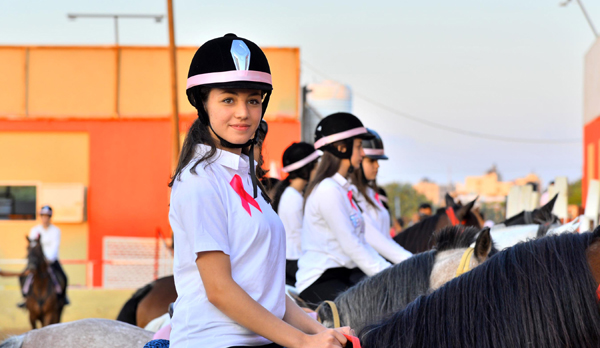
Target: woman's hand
{"x":329,"y":338}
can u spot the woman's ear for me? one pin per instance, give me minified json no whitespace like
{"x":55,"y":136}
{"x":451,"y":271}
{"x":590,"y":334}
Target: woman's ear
{"x":342,"y":148}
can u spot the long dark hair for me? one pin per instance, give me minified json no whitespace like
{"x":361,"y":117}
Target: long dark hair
{"x":540,"y":293}
{"x":302,"y":173}
{"x":360,"y":181}
{"x":328,"y":166}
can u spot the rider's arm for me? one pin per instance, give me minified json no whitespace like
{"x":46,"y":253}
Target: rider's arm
{"x":383,"y":243}
{"x":336,"y":211}
{"x":225,"y":294}
{"x":52,"y":246}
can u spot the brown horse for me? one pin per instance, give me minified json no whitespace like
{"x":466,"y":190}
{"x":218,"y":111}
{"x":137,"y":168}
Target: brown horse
{"x":42,"y":299}
{"x":149,"y":302}
{"x":418,"y":238}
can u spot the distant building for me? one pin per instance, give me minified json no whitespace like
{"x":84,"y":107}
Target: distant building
{"x":430,"y":190}
{"x":322,"y":99}
{"x":490,"y":187}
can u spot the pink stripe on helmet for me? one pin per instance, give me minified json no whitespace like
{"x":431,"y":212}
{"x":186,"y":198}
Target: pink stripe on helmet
{"x":229,"y":76}
{"x":374,"y":152}
{"x":340,"y":136}
{"x":301,"y":163}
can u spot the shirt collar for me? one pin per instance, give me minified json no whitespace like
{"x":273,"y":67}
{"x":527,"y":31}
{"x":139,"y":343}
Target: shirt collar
{"x":224,"y":158}
{"x":337,"y":177}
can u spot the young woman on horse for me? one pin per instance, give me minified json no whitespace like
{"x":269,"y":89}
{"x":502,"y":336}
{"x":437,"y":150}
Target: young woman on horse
{"x":229,"y":262}
{"x":335,"y":254}
{"x":376,"y":215}
{"x":50,"y":239}
{"x":300,"y":162}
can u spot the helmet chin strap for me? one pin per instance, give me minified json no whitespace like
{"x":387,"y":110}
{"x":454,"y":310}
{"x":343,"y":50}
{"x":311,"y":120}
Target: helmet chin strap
{"x":251,"y":143}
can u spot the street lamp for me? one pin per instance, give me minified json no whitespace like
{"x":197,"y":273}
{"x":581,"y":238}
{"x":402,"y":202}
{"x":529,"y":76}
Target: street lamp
{"x":157,"y":18}
{"x":584,"y":13}
{"x":73,"y":16}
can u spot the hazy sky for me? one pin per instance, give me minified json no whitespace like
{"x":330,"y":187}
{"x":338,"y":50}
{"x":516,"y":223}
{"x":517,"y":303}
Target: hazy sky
{"x":508,"y":68}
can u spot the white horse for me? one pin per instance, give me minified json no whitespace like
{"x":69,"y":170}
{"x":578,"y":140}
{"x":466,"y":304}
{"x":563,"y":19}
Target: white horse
{"x":88,"y":333}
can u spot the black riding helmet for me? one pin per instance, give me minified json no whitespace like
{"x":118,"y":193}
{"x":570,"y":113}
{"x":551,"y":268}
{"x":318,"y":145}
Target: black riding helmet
{"x":374,"y":147}
{"x":337,"y":127}
{"x":297,"y":156}
{"x":229,"y":62}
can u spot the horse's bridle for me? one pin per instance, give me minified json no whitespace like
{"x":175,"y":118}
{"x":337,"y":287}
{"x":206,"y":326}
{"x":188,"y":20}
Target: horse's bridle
{"x":452,"y":217}
{"x":464,"y":265}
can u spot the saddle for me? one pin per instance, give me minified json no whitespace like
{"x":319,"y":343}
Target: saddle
{"x":59,"y":284}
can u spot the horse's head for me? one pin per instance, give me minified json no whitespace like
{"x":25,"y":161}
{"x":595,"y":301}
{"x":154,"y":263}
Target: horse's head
{"x":465,"y":214}
{"x":593,"y":257}
{"x":539,"y":216}
{"x":455,"y":256}
{"x":35,"y":254}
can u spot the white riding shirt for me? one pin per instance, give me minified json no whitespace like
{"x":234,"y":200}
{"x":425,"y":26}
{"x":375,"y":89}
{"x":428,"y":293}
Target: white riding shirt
{"x":291,"y":211}
{"x":208,"y":213}
{"x":333,"y":234}
{"x":377,"y":228}
{"x":50,"y":240}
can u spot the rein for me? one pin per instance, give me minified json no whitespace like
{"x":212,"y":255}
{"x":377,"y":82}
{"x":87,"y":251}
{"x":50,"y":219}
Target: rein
{"x":464,"y":265}
{"x":336,"y":322}
{"x":452,"y":217}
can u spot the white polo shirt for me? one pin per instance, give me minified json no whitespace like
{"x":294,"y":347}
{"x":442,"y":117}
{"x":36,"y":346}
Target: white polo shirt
{"x":207,"y":214}
{"x":291,"y":211}
{"x":50,"y":240}
{"x":377,"y":229}
{"x":333,"y":234}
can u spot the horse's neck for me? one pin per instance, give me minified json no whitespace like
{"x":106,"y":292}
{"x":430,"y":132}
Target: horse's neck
{"x":509,"y":236}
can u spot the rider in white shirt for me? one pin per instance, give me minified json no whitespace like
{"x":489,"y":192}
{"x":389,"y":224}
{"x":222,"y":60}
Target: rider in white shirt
{"x":335,"y":254}
{"x":49,"y":236}
{"x":300,"y":162}
{"x":377,"y":217}
{"x":229,"y":262}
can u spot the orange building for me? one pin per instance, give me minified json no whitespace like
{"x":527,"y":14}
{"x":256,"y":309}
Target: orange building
{"x":591,"y":118}
{"x":88,"y":128}
{"x":430,"y":190}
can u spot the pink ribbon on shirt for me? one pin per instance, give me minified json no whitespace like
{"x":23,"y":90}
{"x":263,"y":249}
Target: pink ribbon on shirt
{"x":377,"y":199}
{"x":238,"y":187}
{"x":350,"y":198}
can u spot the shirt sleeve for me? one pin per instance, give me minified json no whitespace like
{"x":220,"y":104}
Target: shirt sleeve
{"x":202,"y":214}
{"x":33,"y":233}
{"x":385,"y":246}
{"x":291,"y":215}
{"x":336,"y":213}
{"x":52,"y":244}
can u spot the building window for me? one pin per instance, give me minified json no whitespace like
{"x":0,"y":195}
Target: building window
{"x":17,"y":202}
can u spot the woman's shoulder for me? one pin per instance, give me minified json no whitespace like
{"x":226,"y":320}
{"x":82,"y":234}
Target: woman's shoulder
{"x":196,"y":180}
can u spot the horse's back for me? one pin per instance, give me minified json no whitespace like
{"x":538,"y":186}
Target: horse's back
{"x":156,"y":302}
{"x":89,"y":333}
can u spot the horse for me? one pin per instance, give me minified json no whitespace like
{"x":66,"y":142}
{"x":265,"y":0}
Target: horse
{"x":42,"y":299}
{"x":394,"y":288}
{"x":541,"y":293}
{"x":89,"y":333}
{"x":149,"y":302}
{"x":417,"y":238}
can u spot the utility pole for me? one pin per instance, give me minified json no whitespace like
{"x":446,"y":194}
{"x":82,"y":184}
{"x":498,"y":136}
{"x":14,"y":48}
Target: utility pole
{"x":174,"y":105}
{"x":115,"y":17}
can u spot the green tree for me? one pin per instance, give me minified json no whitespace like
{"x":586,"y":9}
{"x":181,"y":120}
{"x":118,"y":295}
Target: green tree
{"x":575,"y":193}
{"x":409,"y":199}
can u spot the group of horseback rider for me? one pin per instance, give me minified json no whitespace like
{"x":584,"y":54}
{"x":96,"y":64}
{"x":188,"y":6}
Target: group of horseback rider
{"x":325,"y":229}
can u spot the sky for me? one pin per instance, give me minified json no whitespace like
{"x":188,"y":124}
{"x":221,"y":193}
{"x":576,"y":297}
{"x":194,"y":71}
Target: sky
{"x":500,"y":69}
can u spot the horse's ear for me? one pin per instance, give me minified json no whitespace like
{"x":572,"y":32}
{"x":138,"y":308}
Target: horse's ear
{"x":38,"y":238}
{"x":483,"y":245}
{"x":462,"y":212}
{"x":449,"y":201}
{"x":28,"y":240}
{"x":550,"y":205}
{"x":593,"y":254}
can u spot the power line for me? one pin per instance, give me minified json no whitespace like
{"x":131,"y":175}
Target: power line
{"x":449,"y":128}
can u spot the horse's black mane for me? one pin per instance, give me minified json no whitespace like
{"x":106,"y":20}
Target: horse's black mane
{"x":535,"y":294}
{"x":454,"y":238}
{"x":412,"y":237}
{"x":392,"y":289}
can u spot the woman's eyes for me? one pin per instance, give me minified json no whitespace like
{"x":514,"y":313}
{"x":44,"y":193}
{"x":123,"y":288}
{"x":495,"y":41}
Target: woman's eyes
{"x":251,"y":101}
